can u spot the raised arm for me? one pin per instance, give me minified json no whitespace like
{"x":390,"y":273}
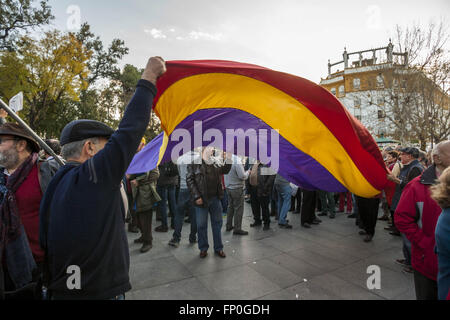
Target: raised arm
{"x":112,"y":161}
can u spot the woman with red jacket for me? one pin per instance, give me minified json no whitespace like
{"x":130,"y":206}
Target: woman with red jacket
{"x":416,"y":216}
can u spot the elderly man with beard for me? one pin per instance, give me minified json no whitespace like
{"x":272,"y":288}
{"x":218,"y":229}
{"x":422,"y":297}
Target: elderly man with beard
{"x":23,"y":180}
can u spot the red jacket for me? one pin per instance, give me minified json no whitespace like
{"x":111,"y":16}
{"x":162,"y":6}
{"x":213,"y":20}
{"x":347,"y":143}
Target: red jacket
{"x":416,"y":216}
{"x":389,"y":190}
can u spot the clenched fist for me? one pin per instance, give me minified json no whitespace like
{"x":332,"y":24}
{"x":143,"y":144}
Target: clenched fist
{"x":3,"y":113}
{"x":155,"y":68}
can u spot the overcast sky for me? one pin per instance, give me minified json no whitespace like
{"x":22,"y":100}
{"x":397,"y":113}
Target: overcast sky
{"x":293,"y":36}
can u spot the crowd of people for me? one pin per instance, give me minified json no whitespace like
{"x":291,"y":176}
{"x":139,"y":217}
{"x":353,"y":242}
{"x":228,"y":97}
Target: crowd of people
{"x":54,"y":218}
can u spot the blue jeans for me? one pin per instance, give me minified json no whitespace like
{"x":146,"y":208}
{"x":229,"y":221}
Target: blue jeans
{"x":214,"y":208}
{"x":184,"y":203}
{"x":166,"y":193}
{"x":284,"y":201}
{"x":406,"y":250}
{"x":224,"y":202}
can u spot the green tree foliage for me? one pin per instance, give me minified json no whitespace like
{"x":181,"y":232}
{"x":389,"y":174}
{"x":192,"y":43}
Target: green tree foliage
{"x":100,"y":99}
{"x":114,"y":98}
{"x":128,"y":79}
{"x":50,"y":71}
{"x":20,"y":15}
{"x":64,"y":76}
{"x":103,"y":64}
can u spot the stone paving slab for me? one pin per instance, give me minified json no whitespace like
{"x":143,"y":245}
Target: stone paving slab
{"x":337,"y":287}
{"x":239,"y":283}
{"x":187,"y":289}
{"x":157,"y":272}
{"x":297,"y":266}
{"x":328,"y":261}
{"x":392,"y":283}
{"x":210,"y":264}
{"x":279,"y":275}
{"x":317,"y":260}
{"x":250,"y":250}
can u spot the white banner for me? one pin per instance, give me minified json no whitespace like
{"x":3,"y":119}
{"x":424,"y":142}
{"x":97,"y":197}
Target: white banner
{"x":16,"y":102}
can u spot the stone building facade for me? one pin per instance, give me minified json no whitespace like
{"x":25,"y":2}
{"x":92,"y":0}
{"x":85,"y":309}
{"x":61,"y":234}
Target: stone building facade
{"x":365,"y":85}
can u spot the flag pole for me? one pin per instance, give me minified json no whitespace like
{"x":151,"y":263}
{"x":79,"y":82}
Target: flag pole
{"x":13,"y":115}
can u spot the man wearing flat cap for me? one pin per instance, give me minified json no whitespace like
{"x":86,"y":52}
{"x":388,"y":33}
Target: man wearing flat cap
{"x":23,"y":181}
{"x":411,"y":169}
{"x":82,"y":213}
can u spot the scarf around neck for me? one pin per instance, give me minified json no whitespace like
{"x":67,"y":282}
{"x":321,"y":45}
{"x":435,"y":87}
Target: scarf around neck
{"x":9,"y":214}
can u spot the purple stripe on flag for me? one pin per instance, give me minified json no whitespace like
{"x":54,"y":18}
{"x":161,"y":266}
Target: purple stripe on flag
{"x":296,"y":166}
{"x":147,"y":159}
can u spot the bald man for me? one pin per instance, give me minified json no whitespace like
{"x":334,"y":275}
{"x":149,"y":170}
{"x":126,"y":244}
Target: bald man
{"x":416,"y":217}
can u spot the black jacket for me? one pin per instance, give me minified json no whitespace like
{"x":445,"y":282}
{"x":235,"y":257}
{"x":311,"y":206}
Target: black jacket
{"x":84,"y":212}
{"x":196,"y":180}
{"x":407,"y":174}
{"x":168,"y":174}
{"x":265,"y":182}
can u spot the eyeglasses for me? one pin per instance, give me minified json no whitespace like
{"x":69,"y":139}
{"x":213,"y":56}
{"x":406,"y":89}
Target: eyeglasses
{"x":7,"y":139}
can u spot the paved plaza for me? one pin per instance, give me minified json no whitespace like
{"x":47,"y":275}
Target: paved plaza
{"x":325,"y":262}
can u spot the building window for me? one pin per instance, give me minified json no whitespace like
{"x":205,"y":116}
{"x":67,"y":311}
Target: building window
{"x":380,"y":101}
{"x":357,"y":83}
{"x":380,"y":81}
{"x":341,"y":90}
{"x":357,"y":113}
{"x":333,"y":91}
{"x":357,"y":102}
{"x":395,"y":83}
{"x":381,"y":114}
{"x":403,"y":82}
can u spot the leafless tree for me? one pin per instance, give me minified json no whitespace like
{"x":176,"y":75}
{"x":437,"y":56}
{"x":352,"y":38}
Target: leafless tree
{"x":417,"y":95}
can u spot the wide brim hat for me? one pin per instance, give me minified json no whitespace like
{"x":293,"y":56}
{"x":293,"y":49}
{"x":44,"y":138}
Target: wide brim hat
{"x":13,"y":129}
